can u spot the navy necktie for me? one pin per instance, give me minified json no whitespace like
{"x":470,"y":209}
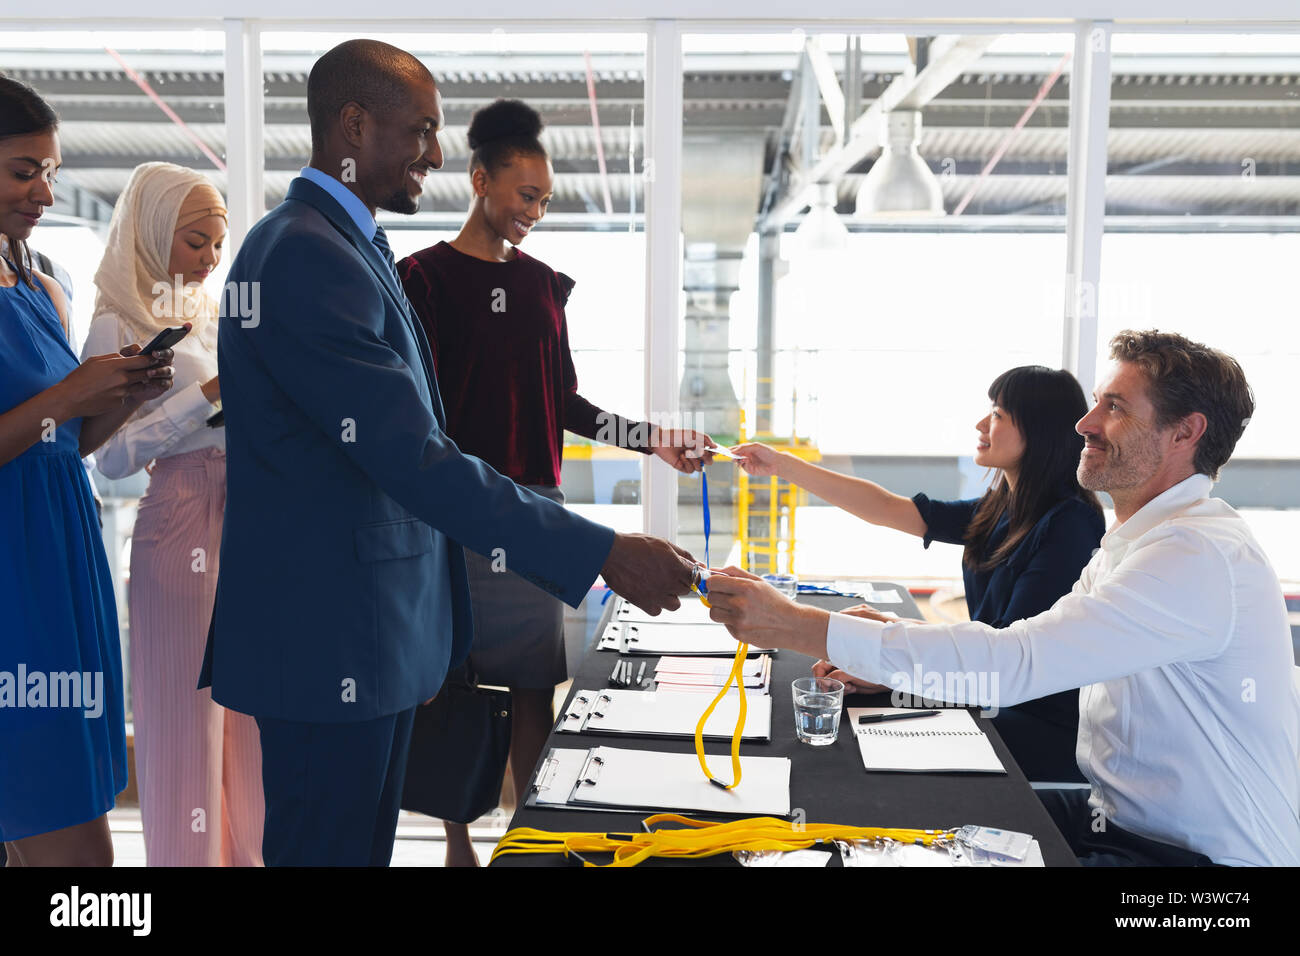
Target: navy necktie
{"x":381,"y":241}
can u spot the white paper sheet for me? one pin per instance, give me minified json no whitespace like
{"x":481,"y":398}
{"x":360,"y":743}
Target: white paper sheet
{"x":652,"y":780}
{"x":665,"y":713}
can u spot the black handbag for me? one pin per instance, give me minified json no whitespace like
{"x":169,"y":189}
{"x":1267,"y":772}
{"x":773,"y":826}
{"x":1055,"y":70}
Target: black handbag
{"x":459,"y":747}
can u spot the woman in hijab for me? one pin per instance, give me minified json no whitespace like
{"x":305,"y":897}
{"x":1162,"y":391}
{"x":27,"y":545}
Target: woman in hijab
{"x":198,"y":764}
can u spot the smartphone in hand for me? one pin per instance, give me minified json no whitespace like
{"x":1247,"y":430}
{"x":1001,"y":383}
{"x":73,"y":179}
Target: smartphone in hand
{"x":165,"y":339}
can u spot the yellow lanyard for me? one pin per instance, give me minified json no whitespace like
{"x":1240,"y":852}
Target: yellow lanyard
{"x":696,"y":839}
{"x":737,"y":674}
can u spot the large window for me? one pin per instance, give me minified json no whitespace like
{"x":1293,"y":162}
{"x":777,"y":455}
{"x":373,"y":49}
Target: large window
{"x":1203,"y":233}
{"x":874,"y":229}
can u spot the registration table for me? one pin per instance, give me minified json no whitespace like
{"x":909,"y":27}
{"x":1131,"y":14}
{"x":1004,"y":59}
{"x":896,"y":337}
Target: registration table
{"x":828,"y":784}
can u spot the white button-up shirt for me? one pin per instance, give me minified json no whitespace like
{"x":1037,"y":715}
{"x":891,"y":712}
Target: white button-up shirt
{"x":173,"y":423}
{"x":1177,"y":632}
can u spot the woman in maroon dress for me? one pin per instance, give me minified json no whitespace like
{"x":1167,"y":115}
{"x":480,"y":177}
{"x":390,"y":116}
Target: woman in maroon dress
{"x":495,"y":321}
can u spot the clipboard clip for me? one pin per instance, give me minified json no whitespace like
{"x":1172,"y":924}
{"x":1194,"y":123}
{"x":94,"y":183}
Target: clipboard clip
{"x":591,"y":770}
{"x":550,"y":767}
{"x":629,"y":636}
{"x":612,"y":637}
{"x":593,"y":712}
{"x":576,"y":712}
{"x":617,"y":636}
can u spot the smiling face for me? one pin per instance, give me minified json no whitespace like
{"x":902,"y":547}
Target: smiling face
{"x":401,"y":147}
{"x":196,"y":249}
{"x":516,"y":195}
{"x":1124,"y":450}
{"x":1001,"y":444}
{"x":28,"y":164}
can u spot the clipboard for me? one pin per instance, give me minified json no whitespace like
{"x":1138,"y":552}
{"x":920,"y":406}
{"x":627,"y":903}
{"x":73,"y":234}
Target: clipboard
{"x":681,"y":640}
{"x":663,"y":714}
{"x":648,"y":780}
{"x":692,"y":611}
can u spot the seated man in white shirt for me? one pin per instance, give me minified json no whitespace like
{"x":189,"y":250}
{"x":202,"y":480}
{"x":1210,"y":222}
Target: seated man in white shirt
{"x":1177,"y":632}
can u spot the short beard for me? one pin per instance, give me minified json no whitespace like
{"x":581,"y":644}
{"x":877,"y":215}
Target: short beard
{"x":1116,"y":476}
{"x":401,"y":202}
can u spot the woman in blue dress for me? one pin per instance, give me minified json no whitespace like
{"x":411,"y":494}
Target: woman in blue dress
{"x":63,"y":758}
{"x":1027,"y":539}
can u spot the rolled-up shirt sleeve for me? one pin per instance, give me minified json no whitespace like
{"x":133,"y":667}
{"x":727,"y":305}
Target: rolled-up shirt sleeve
{"x":1169,"y":600}
{"x":945,"y":521}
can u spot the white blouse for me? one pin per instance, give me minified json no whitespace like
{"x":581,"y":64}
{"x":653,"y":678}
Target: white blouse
{"x":171,"y":424}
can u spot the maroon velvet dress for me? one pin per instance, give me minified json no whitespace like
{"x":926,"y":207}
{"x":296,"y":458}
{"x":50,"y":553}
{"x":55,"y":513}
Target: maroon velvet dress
{"x":500,"y":348}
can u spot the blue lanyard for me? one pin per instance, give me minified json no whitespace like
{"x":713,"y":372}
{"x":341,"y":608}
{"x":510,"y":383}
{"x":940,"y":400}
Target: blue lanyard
{"x":704,"y":479}
{"x":708,"y":526}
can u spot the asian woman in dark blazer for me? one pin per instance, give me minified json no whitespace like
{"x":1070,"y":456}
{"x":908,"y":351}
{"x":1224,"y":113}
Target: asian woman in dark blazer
{"x":1026,"y":539}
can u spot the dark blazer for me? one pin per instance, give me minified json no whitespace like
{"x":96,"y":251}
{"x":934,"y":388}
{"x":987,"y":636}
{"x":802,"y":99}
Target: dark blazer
{"x":342,"y":593}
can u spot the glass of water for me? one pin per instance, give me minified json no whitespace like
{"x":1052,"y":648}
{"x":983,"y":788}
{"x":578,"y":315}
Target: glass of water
{"x":787,"y":584}
{"x":817,"y":705}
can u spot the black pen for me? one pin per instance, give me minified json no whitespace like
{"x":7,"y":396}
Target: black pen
{"x":876,"y":718}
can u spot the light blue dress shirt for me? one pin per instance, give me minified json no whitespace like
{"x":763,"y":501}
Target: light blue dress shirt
{"x":345,"y":198}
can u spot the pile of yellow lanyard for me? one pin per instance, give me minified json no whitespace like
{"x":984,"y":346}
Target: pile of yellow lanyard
{"x":696,"y":839}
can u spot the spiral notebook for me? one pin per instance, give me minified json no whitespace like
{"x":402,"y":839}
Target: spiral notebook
{"x":948,"y":742}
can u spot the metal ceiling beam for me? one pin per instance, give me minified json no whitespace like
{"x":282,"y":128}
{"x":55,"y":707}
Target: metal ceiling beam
{"x":777,"y":170}
{"x":864,"y":136}
{"x":827,"y":85}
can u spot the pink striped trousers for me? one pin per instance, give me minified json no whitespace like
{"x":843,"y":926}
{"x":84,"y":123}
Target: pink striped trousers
{"x":198,"y":765}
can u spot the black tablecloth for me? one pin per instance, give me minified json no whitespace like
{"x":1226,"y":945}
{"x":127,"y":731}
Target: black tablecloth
{"x":829,"y":784}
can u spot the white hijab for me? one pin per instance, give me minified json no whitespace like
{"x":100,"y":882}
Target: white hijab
{"x":132,"y":279}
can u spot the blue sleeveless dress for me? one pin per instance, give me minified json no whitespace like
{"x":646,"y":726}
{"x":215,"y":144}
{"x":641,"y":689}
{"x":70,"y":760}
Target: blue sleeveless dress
{"x":62,"y":727}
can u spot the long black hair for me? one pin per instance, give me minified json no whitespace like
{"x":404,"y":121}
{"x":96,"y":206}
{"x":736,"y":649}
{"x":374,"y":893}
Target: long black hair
{"x":499,"y":131}
{"x":1044,"y":404}
{"x":22,"y":111}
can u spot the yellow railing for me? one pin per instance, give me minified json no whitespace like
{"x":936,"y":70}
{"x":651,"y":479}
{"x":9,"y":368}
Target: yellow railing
{"x":760,"y":553}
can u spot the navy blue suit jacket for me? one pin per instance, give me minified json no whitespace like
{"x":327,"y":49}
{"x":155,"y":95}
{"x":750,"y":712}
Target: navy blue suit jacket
{"x":342,"y":593}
